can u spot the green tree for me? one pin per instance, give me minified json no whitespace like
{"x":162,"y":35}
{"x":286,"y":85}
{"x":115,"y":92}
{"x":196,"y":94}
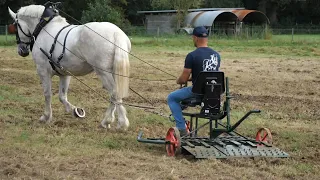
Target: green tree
{"x":71,"y":7}
{"x":131,"y":10}
{"x":5,"y":18}
{"x":310,"y":9}
{"x":181,"y":6}
{"x":74,"y":9}
{"x":272,"y":7}
{"x":102,"y":10}
{"x":222,"y":4}
{"x":119,"y":3}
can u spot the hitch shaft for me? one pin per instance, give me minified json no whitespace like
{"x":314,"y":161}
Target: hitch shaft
{"x":152,"y":141}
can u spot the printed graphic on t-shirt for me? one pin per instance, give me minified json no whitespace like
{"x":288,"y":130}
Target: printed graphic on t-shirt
{"x":210,"y":64}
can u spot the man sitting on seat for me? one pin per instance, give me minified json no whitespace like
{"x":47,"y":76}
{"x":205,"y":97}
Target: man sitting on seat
{"x":201,"y":59}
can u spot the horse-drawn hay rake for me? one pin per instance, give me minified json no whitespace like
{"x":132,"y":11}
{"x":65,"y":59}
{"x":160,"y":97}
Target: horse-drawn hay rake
{"x":223,"y":141}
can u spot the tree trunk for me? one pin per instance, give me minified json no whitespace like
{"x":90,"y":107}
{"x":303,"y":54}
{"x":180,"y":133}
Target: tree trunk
{"x":263,"y":6}
{"x":272,"y":13}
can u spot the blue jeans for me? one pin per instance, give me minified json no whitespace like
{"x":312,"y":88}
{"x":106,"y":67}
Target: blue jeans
{"x":174,"y":100}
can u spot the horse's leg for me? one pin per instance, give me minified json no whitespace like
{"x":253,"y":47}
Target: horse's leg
{"x":109,"y":116}
{"x":115,"y":104}
{"x":45,"y":78}
{"x":63,"y":90}
{"x":123,"y":121}
{"x":108,"y":84}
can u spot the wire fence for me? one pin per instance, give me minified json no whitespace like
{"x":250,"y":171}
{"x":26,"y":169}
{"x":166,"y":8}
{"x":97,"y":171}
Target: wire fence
{"x":5,"y":38}
{"x":293,"y":34}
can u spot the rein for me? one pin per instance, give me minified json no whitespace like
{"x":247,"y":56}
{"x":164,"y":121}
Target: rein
{"x":49,"y":13}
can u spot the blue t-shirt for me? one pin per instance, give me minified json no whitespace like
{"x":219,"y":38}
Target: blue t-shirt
{"x":202,"y":59}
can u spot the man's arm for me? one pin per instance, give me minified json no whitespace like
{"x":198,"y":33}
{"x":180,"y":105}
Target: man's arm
{"x":184,"y":77}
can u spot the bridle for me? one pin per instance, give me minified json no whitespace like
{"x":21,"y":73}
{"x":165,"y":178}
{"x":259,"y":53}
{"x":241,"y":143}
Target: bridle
{"x":49,"y":13}
{"x":29,"y":35}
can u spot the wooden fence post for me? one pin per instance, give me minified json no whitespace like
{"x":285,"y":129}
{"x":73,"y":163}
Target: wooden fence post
{"x":6,"y":33}
{"x":158,"y":32}
{"x":292,"y":34}
{"x":265,"y":32}
{"x":247,"y":31}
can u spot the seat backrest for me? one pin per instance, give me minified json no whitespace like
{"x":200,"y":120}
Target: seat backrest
{"x":208,"y":77}
{"x":211,"y":85}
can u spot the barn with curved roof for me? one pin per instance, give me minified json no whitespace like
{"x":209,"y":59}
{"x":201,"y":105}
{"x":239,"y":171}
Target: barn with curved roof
{"x":215,"y":21}
{"x":251,"y":17}
{"x":223,"y":20}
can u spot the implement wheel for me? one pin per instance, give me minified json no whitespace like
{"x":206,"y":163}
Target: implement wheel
{"x":264,"y":135}
{"x":174,"y":141}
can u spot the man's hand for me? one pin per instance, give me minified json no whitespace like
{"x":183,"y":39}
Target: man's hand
{"x":184,"y":77}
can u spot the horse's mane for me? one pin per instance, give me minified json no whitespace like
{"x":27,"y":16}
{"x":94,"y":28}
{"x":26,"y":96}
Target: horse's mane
{"x":34,"y":11}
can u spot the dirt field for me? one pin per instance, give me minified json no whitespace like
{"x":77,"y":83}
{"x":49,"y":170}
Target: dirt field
{"x":280,"y":78}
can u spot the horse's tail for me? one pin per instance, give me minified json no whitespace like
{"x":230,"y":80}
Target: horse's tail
{"x":121,"y":65}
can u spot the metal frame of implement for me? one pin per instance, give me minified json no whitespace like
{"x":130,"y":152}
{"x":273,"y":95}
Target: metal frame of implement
{"x":223,"y":141}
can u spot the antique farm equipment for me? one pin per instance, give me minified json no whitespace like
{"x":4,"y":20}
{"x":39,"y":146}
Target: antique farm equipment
{"x":223,"y":141}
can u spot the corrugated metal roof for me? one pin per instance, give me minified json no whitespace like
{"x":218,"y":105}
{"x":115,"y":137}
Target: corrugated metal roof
{"x":190,"y":10}
{"x":207,"y":18}
{"x":190,"y":17}
{"x":251,"y":16}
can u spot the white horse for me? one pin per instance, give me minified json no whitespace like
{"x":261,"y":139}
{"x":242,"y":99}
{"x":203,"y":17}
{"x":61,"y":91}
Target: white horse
{"x":86,"y":51}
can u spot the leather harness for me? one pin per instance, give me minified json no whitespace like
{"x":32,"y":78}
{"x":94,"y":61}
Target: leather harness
{"x":48,"y":14}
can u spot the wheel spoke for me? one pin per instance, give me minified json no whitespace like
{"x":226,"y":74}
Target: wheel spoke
{"x":264,"y":135}
{"x":264,"y":138}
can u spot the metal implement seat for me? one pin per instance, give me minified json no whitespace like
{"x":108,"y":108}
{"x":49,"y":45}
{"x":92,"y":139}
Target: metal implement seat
{"x":209,"y":86}
{"x":191,"y":102}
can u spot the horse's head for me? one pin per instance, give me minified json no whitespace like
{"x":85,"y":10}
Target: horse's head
{"x":23,"y":35}
{"x":24,"y":24}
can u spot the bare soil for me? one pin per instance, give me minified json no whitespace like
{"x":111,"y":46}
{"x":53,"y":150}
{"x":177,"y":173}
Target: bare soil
{"x":285,"y":88}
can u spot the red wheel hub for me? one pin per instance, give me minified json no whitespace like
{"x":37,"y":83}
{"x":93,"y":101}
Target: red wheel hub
{"x":174,"y":141}
{"x":188,"y":126}
{"x":264,"y":135}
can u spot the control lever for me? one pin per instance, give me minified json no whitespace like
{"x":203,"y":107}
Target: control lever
{"x":185,"y":84}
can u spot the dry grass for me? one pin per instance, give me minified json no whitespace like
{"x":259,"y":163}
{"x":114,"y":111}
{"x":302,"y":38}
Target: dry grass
{"x":285,"y":86}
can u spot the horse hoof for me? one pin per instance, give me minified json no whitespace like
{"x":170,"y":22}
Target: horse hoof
{"x":105,"y":126}
{"x":79,"y":112}
{"x":45,"y":119}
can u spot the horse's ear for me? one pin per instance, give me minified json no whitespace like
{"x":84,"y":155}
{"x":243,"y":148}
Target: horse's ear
{"x":12,"y":14}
